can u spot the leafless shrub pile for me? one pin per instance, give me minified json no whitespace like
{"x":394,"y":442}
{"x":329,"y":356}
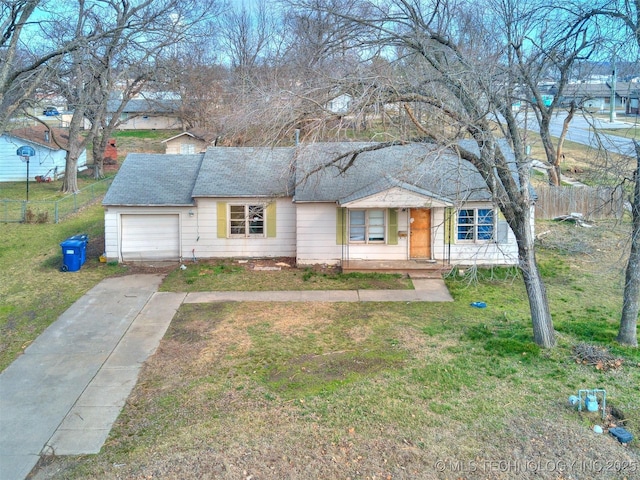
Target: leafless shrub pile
{"x":592,"y":355}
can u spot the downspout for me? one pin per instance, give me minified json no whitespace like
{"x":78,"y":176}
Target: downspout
{"x":448,"y":243}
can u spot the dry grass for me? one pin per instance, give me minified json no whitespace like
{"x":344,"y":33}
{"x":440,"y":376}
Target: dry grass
{"x":337,"y":391}
{"x":274,"y":274}
{"x":33,"y":291}
{"x":226,"y":415}
{"x":141,"y":141}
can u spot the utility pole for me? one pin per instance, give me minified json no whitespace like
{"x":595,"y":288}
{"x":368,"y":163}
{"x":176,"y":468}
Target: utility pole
{"x":612,"y":102}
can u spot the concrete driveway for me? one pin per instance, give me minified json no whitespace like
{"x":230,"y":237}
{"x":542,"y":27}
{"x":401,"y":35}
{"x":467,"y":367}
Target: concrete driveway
{"x":63,"y":394}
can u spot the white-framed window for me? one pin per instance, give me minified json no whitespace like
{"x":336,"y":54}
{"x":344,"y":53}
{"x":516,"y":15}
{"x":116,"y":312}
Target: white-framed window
{"x":476,"y":225}
{"x":187,"y":149}
{"x":247,"y":220}
{"x":367,"y":226}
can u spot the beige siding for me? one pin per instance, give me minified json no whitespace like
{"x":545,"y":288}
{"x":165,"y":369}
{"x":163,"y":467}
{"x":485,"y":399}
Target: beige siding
{"x":472,"y":253}
{"x":395,"y":198}
{"x":317,"y":238}
{"x":111,"y":248}
{"x":200,"y":233}
{"x":174,"y":147}
{"x":316,"y":231}
{"x":305,"y":231}
{"x":150,"y":123}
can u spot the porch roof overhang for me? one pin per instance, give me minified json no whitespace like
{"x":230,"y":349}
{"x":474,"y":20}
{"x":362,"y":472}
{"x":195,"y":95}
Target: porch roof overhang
{"x":397,"y":197}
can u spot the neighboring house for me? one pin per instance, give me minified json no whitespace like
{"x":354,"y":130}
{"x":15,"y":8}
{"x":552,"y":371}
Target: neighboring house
{"x":597,"y":96}
{"x":49,"y":160}
{"x":340,"y":104}
{"x":147,"y":114}
{"x":404,"y":203}
{"x":186,"y":143}
{"x":633,"y":104}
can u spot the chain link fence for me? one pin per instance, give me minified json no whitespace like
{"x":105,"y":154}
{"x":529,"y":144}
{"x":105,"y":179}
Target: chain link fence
{"x":51,"y":211}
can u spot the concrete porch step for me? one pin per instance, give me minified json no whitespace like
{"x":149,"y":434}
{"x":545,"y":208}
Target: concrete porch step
{"x":413,"y":268}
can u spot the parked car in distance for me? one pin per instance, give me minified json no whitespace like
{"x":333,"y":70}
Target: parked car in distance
{"x":50,"y":112}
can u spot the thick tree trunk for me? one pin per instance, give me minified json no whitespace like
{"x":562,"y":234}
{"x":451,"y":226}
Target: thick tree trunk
{"x":74,"y":149}
{"x":70,"y":182}
{"x":627,"y":334}
{"x":99,"y":147}
{"x":543,"y":332}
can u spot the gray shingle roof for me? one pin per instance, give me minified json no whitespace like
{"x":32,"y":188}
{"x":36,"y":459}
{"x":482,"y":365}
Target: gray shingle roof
{"x":154,"y":179}
{"x":143,"y":105}
{"x":428,"y":169}
{"x":245,"y":172}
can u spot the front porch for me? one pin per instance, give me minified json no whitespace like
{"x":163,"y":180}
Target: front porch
{"x":413,"y":268}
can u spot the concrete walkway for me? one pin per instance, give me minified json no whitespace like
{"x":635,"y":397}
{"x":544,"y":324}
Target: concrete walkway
{"x":425,"y":290}
{"x":64,"y":393}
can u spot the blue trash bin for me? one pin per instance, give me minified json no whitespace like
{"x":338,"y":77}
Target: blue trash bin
{"x":72,"y":251}
{"x":84,"y":238}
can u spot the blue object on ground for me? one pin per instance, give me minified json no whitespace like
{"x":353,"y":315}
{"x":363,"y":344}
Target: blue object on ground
{"x":479,"y":304}
{"x":621,"y":434}
{"x":72,"y":251}
{"x":84,"y":238}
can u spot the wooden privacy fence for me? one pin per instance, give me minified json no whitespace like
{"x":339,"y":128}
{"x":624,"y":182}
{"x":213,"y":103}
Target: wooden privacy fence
{"x":594,"y":203}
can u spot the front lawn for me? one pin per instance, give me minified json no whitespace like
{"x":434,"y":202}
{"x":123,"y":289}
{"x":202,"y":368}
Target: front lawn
{"x":387,"y":390}
{"x":277,"y":274}
{"x":33,"y":291}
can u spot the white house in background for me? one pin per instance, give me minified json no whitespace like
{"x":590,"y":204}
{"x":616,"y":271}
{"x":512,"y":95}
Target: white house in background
{"x":405,"y":203}
{"x":147,"y":114}
{"x":340,"y":104}
{"x":49,"y":161}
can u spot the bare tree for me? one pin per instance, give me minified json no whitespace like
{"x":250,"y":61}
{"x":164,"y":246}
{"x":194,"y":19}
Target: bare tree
{"x":627,"y":15}
{"x":168,"y":33}
{"x":464,"y":84}
{"x":120,"y":61}
{"x":247,"y":36}
{"x":543,"y":42}
{"x":20,"y":71}
{"x":303,"y":68}
{"x":106,"y":120}
{"x":203,"y":85}
{"x":628,"y":331}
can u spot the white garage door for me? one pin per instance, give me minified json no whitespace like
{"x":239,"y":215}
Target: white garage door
{"x":150,"y":237}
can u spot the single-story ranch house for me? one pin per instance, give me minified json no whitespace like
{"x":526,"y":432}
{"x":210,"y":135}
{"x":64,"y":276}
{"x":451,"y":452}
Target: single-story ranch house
{"x":404,"y":203}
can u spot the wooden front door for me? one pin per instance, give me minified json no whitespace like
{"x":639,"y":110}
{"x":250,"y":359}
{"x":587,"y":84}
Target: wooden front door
{"x":420,"y":227}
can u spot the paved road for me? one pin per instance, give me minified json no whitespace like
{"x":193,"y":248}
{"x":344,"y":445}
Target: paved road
{"x":64,"y":393}
{"x":580,"y":131}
